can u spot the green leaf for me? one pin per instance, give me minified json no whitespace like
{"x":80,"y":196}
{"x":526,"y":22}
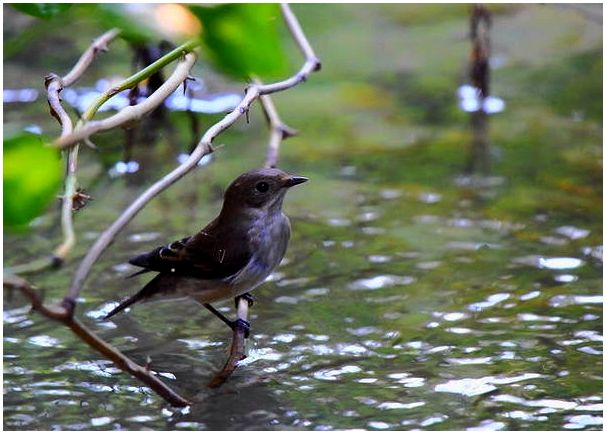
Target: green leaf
{"x":242,"y":39}
{"x":32,"y":177}
{"x":115,"y":15}
{"x":42,"y":10}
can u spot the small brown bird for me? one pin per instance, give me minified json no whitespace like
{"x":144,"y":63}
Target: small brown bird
{"x":232,"y":255}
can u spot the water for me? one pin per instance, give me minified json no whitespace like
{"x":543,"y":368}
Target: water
{"x":413,"y":296}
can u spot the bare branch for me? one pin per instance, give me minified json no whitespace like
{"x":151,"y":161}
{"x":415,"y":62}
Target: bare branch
{"x":278,"y":130}
{"x":139,"y":76}
{"x":98,"y":45}
{"x":54,"y":85}
{"x":299,"y":36}
{"x":134,"y":112}
{"x":67,"y":207}
{"x":237,"y":351}
{"x":203,"y":148}
{"x":63,"y":314}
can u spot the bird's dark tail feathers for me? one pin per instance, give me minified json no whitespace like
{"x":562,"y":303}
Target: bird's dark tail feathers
{"x":126,"y":303}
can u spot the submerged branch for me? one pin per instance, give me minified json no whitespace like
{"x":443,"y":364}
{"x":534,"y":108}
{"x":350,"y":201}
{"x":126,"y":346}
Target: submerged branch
{"x":63,"y":314}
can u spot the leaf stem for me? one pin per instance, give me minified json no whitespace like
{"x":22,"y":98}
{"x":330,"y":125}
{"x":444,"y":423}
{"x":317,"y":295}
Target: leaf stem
{"x":140,"y":76}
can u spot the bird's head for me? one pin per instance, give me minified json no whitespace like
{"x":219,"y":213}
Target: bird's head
{"x":260,"y":189}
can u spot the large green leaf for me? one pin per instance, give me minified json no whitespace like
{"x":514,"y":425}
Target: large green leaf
{"x":32,"y":177}
{"x":42,"y":10}
{"x":115,"y":15}
{"x":242,"y":39}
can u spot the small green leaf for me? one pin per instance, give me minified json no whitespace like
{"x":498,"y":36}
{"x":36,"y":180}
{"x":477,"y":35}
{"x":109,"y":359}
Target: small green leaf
{"x":42,"y":10}
{"x":32,"y":177}
{"x":242,"y":39}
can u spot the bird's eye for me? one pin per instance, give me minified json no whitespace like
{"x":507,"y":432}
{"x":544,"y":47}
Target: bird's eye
{"x":262,"y":187}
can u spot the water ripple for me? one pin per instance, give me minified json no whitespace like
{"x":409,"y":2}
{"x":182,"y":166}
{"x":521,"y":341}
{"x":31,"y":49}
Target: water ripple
{"x":480,"y":386}
{"x":379,"y":282}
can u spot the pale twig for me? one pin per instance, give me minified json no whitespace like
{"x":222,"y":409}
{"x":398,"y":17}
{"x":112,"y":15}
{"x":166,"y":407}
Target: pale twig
{"x":134,"y":112}
{"x":237,"y":351}
{"x":63,"y":314}
{"x":139,"y":76}
{"x":278,"y":130}
{"x":203,"y":148}
{"x":64,"y":311}
{"x":54,"y":85}
{"x":98,"y":45}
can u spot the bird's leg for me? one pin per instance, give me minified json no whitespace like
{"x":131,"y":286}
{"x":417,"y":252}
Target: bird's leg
{"x":231,"y":324}
{"x":248,"y":297}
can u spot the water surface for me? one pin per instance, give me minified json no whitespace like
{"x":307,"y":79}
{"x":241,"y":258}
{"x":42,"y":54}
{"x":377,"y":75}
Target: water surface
{"x":413,"y":295}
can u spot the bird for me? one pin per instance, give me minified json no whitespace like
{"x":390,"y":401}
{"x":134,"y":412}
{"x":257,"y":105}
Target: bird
{"x":230,"y":256}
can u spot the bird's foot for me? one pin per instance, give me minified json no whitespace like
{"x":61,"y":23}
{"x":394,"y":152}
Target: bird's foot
{"x":241,"y":324}
{"x":248,"y":297}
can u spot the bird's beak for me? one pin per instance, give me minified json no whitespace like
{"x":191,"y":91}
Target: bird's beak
{"x":295,"y":180}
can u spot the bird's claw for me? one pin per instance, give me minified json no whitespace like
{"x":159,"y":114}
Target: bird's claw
{"x":241,"y":324}
{"x":248,"y":297}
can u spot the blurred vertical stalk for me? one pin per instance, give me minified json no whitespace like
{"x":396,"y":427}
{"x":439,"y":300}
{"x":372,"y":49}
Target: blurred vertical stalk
{"x":479,"y":74}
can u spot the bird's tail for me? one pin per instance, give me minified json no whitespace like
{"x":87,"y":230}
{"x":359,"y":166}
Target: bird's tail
{"x":153,"y":287}
{"x":126,"y":303}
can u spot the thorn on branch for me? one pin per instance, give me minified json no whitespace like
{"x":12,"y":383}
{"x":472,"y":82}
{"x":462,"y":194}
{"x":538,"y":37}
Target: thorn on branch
{"x":188,"y":78}
{"x":87,"y":141}
{"x":317,"y":64}
{"x":287,"y":131}
{"x":102,"y":48}
{"x":301,"y":78}
{"x":213,"y":148}
{"x":245,"y":110}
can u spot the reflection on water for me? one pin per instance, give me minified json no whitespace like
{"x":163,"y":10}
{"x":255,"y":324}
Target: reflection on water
{"x":82,"y":98}
{"x":349,"y":340}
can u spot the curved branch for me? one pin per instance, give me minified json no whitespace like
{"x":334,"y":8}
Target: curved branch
{"x":134,"y":112}
{"x":54,"y":85}
{"x":278,"y":130}
{"x":203,"y":148}
{"x":98,"y":45}
{"x":237,"y":351}
{"x":62,"y":313}
{"x":140,"y":76}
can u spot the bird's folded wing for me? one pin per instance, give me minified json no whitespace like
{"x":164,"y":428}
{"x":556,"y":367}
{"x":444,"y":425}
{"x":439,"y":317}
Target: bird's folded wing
{"x":202,"y":256}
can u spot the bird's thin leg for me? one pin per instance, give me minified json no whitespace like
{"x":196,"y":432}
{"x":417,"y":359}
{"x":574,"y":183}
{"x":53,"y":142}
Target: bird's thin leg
{"x":248,"y":297}
{"x":219,"y":315}
{"x":231,"y":324}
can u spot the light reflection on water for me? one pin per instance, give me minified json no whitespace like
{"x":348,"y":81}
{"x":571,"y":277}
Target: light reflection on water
{"x":478,"y":344}
{"x":399,"y":306}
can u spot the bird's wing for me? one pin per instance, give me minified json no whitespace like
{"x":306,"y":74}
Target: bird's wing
{"x":206,"y":255}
